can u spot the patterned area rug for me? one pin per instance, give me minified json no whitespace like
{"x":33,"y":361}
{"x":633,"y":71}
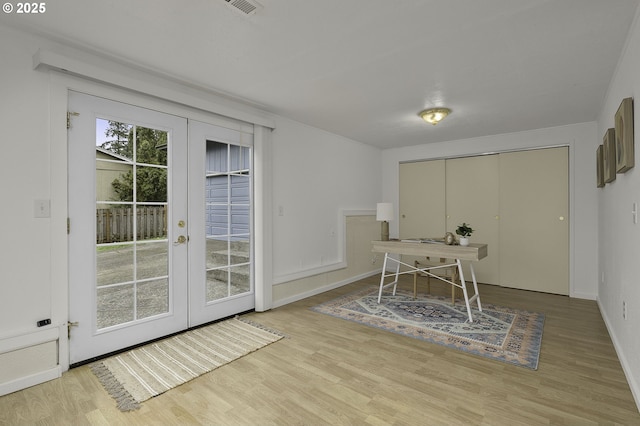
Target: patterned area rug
{"x":498,"y":333}
{"x":145,"y":372}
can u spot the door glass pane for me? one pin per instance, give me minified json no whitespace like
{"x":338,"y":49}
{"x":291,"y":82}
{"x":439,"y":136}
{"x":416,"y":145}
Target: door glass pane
{"x":227,"y":219}
{"x":151,"y":259}
{"x":132,"y":248}
{"x":152,"y":298}
{"x":217,"y":284}
{"x":239,"y":279}
{"x":151,"y":184}
{"x":115,"y":305}
{"x":114,"y":263}
{"x":151,"y":146}
{"x":217,"y":252}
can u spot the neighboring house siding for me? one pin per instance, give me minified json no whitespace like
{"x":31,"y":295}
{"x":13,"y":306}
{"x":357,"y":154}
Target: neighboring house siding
{"x":228,"y":191}
{"x":106,"y":173}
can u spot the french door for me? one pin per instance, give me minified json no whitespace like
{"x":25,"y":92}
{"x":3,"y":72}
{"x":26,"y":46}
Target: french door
{"x":221,"y":182}
{"x":152,"y":251}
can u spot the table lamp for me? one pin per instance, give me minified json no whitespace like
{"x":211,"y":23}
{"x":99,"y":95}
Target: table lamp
{"x":384,"y":213}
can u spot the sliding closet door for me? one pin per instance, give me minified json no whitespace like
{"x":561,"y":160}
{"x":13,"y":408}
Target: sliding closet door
{"x":534,"y":219}
{"x":422,"y":209}
{"x":473,"y":197}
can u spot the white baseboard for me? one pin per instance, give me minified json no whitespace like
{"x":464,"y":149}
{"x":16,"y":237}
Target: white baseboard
{"x":45,"y":367}
{"x":292,"y":276}
{"x":586,"y":296}
{"x":322,"y":289}
{"x":28,"y":381}
{"x":633,"y":384}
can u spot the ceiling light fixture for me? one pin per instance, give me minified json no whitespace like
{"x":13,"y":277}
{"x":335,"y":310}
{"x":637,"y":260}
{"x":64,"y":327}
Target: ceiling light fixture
{"x":434,"y":115}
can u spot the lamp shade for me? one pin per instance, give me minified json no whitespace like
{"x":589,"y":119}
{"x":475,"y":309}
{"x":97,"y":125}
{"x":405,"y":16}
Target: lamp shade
{"x":384,"y":211}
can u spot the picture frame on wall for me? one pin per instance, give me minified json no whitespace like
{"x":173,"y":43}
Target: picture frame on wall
{"x":609,"y":156}
{"x":599,"y":167}
{"x":624,"y":136}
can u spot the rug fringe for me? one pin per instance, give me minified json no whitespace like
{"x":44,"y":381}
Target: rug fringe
{"x":261,"y":327}
{"x":124,"y":400}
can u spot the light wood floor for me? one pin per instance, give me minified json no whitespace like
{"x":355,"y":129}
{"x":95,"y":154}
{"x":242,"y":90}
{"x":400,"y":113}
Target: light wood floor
{"x":332,"y":371}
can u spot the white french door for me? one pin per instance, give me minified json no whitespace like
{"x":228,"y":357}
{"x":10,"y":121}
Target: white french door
{"x":149,"y":250}
{"x":221,"y":211}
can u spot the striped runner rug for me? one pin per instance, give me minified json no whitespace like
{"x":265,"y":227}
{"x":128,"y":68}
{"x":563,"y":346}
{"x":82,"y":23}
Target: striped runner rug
{"x":142,"y":373}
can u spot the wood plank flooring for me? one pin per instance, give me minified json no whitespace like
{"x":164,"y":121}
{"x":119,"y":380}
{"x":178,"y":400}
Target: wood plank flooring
{"x":332,"y":371}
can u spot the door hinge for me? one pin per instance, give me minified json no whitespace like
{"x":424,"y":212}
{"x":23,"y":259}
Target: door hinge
{"x":69,"y":325}
{"x":68,"y":226}
{"x":69,"y":114}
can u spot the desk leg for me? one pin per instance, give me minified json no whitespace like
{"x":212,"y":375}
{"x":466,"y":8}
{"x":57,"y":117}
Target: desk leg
{"x":384,"y":274}
{"x":384,"y":269}
{"x":476,"y":296}
{"x":464,"y":289}
{"x":395,"y":283}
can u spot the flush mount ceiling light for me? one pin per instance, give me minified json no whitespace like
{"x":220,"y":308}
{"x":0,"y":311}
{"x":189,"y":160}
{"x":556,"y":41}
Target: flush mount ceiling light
{"x":434,"y":115}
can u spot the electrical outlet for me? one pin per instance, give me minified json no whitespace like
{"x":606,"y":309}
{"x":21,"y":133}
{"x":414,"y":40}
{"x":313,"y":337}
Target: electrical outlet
{"x":44,"y":322}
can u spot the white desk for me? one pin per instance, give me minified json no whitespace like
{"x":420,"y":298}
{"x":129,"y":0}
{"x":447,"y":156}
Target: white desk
{"x":471,"y":253}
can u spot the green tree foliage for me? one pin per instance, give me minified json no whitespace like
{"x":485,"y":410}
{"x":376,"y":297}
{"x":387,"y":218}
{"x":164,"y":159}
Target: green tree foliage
{"x":122,"y":135}
{"x":150,"y":149}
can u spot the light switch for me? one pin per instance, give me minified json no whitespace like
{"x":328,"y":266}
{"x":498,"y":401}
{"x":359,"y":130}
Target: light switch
{"x":42,"y":208}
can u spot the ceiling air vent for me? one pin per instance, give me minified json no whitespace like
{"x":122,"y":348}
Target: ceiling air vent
{"x":245,"y":7}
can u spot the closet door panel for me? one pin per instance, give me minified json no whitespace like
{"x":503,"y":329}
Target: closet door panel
{"x":422,"y":200}
{"x":534,"y":220}
{"x":472,"y":196}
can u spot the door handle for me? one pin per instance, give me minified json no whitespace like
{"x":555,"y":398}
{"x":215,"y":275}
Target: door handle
{"x":69,"y":325}
{"x":181,"y":240}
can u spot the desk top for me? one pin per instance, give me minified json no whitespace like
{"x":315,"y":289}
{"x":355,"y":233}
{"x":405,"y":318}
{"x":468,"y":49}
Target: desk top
{"x":470,"y":252}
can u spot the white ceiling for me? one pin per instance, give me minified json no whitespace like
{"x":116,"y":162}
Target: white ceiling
{"x":365,"y":68}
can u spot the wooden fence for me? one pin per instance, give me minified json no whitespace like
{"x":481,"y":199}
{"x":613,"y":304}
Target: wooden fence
{"x":116,"y":224}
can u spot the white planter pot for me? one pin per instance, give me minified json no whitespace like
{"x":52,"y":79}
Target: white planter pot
{"x":464,"y":241}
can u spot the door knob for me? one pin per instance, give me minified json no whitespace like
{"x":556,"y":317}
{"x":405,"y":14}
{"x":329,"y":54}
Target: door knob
{"x":181,"y":240}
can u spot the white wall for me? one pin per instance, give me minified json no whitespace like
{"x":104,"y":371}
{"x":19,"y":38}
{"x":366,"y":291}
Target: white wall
{"x":317,"y":176}
{"x":24,"y":177}
{"x":27,"y":255}
{"x":580,"y":139}
{"x":619,"y":249}
{"x":360,"y":228}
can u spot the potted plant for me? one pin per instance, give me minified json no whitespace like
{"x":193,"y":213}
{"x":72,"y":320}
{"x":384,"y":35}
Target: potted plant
{"x":465,"y":232}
